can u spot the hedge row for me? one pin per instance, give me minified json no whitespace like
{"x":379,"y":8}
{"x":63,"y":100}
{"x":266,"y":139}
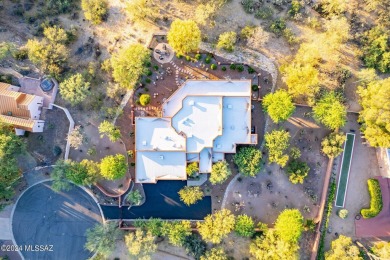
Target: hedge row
{"x":376,"y":199}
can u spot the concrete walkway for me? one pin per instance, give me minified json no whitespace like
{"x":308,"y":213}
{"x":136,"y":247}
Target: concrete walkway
{"x":5,"y":229}
{"x":71,"y":127}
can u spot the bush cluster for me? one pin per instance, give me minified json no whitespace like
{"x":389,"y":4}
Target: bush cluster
{"x":376,"y":199}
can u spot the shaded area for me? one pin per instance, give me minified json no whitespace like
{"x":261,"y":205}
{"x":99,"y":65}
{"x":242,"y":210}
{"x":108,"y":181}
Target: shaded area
{"x":344,"y":172}
{"x":162,"y":201}
{"x":378,"y":226}
{"x":44,"y":217}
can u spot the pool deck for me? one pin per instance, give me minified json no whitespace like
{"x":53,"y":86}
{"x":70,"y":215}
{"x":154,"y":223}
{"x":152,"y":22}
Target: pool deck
{"x":344,"y":170}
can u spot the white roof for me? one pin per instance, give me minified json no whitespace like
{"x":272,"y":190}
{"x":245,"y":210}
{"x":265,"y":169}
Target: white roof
{"x":200,"y":119}
{"x":236,"y":118}
{"x":156,"y":134}
{"x":223,"y":88}
{"x":153,"y":166}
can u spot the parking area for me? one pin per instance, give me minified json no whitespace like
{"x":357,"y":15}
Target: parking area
{"x":56,"y":221}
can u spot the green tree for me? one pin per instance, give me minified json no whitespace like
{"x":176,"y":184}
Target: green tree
{"x":142,"y":10}
{"x":50,"y":54}
{"x":217,"y":226}
{"x":176,"y":231}
{"x":5,"y":49}
{"x":220,"y":172}
{"x":113,"y":167}
{"x":10,"y":146}
{"x":277,"y":142}
{"x":330,"y":111}
{"x":205,"y":12}
{"x":102,"y":238}
{"x":129,"y":64}
{"x":376,"y":49}
{"x":297,"y":171}
{"x":192,"y":168}
{"x":95,"y":10}
{"x":289,"y":225}
{"x":382,"y":249}
{"x":134,"y":197}
{"x":342,"y":248}
{"x":216,"y":253}
{"x":334,"y":6}
{"x":301,"y":80}
{"x":140,"y":244}
{"x":60,"y":180}
{"x":332,"y":145}
{"x":109,"y":129}
{"x":191,"y":194}
{"x":248,"y":160}
{"x":271,"y":247}
{"x":227,"y":41}
{"x":144,"y":99}
{"x":184,"y":36}
{"x":75,"y":89}
{"x":194,"y":246}
{"x":278,"y":105}
{"x":375,"y":101}
{"x":244,"y":226}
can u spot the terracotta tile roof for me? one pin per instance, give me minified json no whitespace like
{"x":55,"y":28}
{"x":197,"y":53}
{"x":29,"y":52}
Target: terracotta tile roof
{"x":4,"y":86}
{"x":14,"y":103}
{"x":25,"y":124}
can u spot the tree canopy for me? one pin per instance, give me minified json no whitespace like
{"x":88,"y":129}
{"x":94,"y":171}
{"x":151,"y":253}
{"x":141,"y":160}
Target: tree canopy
{"x":140,"y":244}
{"x":50,"y":53}
{"x":176,"y":231}
{"x":332,"y":145}
{"x":190,"y":194}
{"x":128,"y":64}
{"x":102,"y":238}
{"x":216,"y":253}
{"x":382,"y":249}
{"x":271,"y":247}
{"x":245,"y":226}
{"x":192,"y":168}
{"x":75,"y":89}
{"x":330,"y":111}
{"x":10,"y":146}
{"x":342,"y":248}
{"x":216,"y":226}
{"x":248,"y":160}
{"x":375,"y":100}
{"x":95,"y":10}
{"x":278,"y":105}
{"x":376,"y":49}
{"x":289,"y":225}
{"x":184,"y":36}
{"x":113,"y":167}
{"x":220,"y":172}
{"x":277,"y":142}
{"x":141,"y":10}
{"x":108,"y":129}
{"x":227,"y":41}
{"x":297,"y":171}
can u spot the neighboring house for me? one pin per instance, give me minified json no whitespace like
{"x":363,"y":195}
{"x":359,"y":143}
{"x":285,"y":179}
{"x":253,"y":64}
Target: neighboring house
{"x":20,"y":109}
{"x":201,"y":122}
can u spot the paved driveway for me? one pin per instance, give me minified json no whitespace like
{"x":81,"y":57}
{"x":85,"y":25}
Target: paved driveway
{"x":57,"y":221}
{"x":162,"y":201}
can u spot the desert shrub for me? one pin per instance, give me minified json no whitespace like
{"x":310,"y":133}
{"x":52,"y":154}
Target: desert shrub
{"x":144,"y":99}
{"x":223,"y":68}
{"x":148,"y":80}
{"x":20,"y":54}
{"x":192,"y":168}
{"x":188,"y":58}
{"x":294,"y":8}
{"x":343,"y":213}
{"x":227,"y":41}
{"x":375,"y":199}
{"x":240,"y":68}
{"x":233,"y":66}
{"x":213,"y":66}
{"x":264,"y":13}
{"x":149,"y":73}
{"x":251,"y":70}
{"x":255,"y":87}
{"x":95,"y":10}
{"x":297,"y":171}
{"x":248,"y":5}
{"x":57,"y":150}
{"x":244,"y":226}
{"x":155,"y":67}
{"x":208,"y":60}
{"x":278,"y":26}
{"x":198,"y":56}
{"x":194,"y":246}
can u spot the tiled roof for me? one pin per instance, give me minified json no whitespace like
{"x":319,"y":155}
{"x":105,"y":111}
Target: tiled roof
{"x":25,"y":124}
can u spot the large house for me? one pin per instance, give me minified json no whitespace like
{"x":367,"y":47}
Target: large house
{"x":20,"y":109}
{"x":201,"y":122}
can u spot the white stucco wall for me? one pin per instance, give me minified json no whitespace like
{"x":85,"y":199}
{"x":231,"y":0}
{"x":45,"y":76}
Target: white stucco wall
{"x":35,"y":107}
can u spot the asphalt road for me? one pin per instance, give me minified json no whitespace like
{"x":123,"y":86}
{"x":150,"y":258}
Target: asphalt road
{"x":162,"y":201}
{"x":55,"y":221}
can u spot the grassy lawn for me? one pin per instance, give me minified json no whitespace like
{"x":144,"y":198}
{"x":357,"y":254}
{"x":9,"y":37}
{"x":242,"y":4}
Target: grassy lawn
{"x":344,"y":172}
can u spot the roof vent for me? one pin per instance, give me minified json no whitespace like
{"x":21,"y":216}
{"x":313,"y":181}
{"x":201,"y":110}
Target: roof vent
{"x":144,"y":143}
{"x":218,"y":145}
{"x":230,"y":106}
{"x":191,"y":103}
{"x":162,"y":157}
